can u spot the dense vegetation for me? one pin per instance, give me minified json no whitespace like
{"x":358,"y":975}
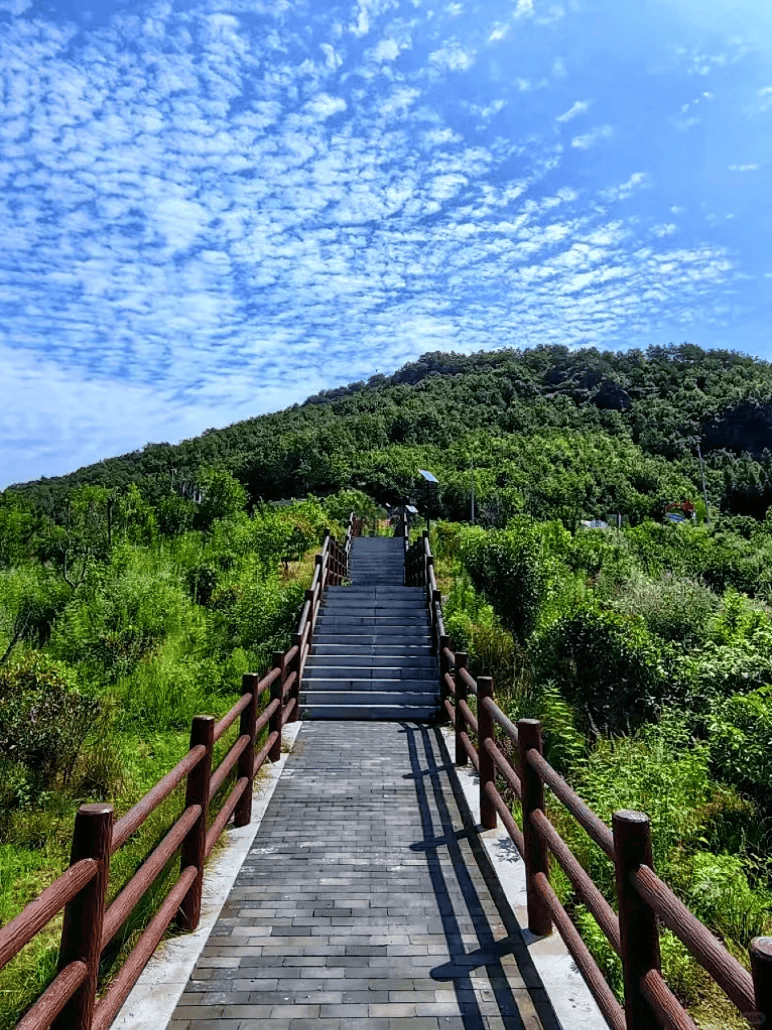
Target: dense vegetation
{"x":112,"y":636}
{"x":135,"y":592}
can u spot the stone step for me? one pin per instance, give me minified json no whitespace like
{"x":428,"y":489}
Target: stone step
{"x":369,"y":697}
{"x":383,"y":637}
{"x":376,"y":590}
{"x":359,"y":661}
{"x":390,"y":712}
{"x":353,"y":685}
{"x":388,"y":651}
{"x":379,"y":606}
{"x":335,"y":621}
{"x":348,"y":673}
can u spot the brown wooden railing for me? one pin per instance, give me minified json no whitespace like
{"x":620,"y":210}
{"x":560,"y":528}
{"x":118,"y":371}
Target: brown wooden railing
{"x":643,"y":899}
{"x":70,"y":1001}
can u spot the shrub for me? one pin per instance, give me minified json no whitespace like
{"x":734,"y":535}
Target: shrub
{"x":674,"y":609}
{"x":740,"y":735}
{"x":650,"y":773}
{"x":120,"y":618}
{"x":340,"y":505}
{"x":508,"y":566}
{"x":720,"y":895}
{"x":607,"y":665}
{"x":44,"y":720}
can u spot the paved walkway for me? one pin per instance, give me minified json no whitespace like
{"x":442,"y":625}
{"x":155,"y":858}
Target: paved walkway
{"x":363,"y":903}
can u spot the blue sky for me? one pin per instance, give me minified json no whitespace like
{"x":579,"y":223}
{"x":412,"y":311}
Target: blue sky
{"x":211,"y":209}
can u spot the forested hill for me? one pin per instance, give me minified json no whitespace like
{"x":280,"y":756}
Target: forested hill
{"x":553,"y":432}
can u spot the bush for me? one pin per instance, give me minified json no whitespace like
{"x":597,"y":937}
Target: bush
{"x":649,"y":773}
{"x":340,"y":505}
{"x":719,"y":894}
{"x":606,"y":664}
{"x":121,"y":617}
{"x":740,"y":736}
{"x":44,"y":720}
{"x":673,"y":609}
{"x":508,"y":566}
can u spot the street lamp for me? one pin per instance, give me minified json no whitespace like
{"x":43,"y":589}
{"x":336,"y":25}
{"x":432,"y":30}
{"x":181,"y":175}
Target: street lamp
{"x":431,"y":482}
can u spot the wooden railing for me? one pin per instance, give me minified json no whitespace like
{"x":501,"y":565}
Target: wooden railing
{"x":70,"y":1001}
{"x":644,"y":900}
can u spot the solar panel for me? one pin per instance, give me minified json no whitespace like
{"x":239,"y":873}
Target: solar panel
{"x":428,"y":476}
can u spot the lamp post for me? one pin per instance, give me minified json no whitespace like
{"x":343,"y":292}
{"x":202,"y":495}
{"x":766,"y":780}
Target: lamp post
{"x":430,"y":481}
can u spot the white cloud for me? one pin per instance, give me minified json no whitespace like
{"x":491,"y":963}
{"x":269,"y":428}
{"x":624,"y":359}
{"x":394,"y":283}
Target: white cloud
{"x":524,"y":9}
{"x":324,"y":106}
{"x":577,"y":108}
{"x":452,"y":57}
{"x":744,"y":168}
{"x":589,"y":139}
{"x":386,"y":50}
{"x":498,"y":32}
{"x":332,"y":58}
{"x":637,"y":181}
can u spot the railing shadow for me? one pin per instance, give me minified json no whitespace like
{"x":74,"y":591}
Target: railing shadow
{"x":428,"y":775}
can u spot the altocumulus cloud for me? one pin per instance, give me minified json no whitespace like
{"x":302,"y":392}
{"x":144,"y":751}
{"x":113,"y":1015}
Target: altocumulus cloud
{"x":210,"y":210}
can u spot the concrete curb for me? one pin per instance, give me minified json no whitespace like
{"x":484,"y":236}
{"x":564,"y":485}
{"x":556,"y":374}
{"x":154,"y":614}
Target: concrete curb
{"x":574,"y":1006}
{"x":155,"y":995}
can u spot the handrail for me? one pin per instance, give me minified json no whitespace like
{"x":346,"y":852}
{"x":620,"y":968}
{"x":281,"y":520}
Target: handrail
{"x":642,"y":896}
{"x":89,"y":923}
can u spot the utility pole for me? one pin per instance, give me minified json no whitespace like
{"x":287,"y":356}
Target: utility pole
{"x":704,"y":491}
{"x":472,"y":493}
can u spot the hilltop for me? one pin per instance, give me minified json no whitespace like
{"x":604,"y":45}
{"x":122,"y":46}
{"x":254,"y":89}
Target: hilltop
{"x":596,"y":414}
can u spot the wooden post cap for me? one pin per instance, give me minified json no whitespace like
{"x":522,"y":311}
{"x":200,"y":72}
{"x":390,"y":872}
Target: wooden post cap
{"x":97,"y":808}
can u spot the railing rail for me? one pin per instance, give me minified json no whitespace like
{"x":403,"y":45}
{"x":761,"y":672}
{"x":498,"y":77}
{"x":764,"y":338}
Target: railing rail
{"x":70,"y":1001}
{"x":643,"y":899}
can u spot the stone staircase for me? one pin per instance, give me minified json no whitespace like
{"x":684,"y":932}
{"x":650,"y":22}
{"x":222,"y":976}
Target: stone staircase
{"x":371,"y":656}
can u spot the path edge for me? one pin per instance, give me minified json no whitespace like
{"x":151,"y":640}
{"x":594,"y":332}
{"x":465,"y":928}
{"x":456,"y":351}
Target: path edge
{"x":570,"y":997}
{"x":156,"y":994}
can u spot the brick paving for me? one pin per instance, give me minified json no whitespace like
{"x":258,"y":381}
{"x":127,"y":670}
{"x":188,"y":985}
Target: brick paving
{"x":364,"y":902}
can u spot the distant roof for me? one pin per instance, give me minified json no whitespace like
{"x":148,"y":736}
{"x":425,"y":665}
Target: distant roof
{"x":594,"y":524}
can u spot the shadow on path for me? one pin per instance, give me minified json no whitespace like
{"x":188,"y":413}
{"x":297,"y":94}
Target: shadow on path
{"x":443,"y":847}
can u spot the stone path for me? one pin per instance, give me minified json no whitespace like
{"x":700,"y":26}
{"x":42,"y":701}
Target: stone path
{"x":363,"y":903}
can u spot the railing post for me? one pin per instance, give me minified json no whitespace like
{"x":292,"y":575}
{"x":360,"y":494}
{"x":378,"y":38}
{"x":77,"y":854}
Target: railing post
{"x":444,"y":666}
{"x":319,"y":562}
{"x":194,"y":845}
{"x":761,"y":967}
{"x":84,"y":915}
{"x":242,"y":814}
{"x":434,"y":597}
{"x":311,"y":614}
{"x":461,"y":695}
{"x":536,"y":855}
{"x":295,"y":666}
{"x":277,"y":691}
{"x":485,"y":730}
{"x":297,"y":641}
{"x":338,"y":565}
{"x":325,"y":572}
{"x":637,"y":922}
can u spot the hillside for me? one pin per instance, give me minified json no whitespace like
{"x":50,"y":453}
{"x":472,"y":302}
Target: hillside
{"x":640,"y":410}
{"x":136,"y":592}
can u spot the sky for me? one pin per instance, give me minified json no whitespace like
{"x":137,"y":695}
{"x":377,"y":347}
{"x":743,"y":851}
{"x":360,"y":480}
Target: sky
{"x":210,"y":209}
